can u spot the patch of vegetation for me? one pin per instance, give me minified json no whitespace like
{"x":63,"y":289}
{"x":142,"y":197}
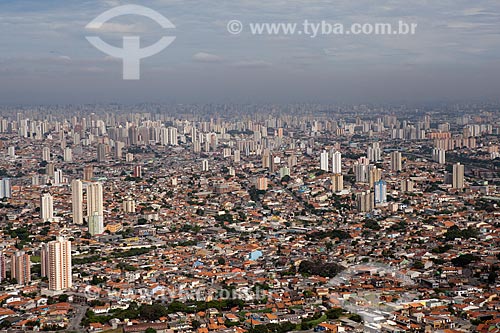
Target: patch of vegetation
{"x":463,"y":260}
{"x":334,"y":313}
{"x":313,"y":322}
{"x":273,"y":328}
{"x":324,"y":269}
{"x":455,"y":232}
{"x":372,"y":224}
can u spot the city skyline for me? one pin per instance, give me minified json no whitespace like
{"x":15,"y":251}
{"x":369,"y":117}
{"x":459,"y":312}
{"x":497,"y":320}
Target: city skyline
{"x":285,"y":207}
{"x":250,"y":166}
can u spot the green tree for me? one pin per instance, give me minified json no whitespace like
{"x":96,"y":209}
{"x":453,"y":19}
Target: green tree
{"x":152,"y":312}
{"x":356,"y":317}
{"x":334,"y":313}
{"x":195,"y":324}
{"x":63,"y":298}
{"x":463,"y":260}
{"x":418,"y":265}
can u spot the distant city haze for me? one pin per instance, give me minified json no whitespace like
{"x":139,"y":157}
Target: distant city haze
{"x":452,"y":57}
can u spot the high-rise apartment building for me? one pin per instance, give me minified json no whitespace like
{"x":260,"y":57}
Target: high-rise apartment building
{"x":196,"y":146}
{"x":337,"y":163}
{"x":11,"y":151}
{"x":3,"y":267}
{"x":138,"y":171}
{"x":20,"y":267}
{"x":439,"y":155}
{"x":396,"y":164}
{"x":365,"y":202}
{"x":361,"y":172}
{"x":261,"y":184}
{"x":204,"y":165}
{"x":266,"y":159}
{"x":50,"y":169}
{"x":46,"y":207}
{"x":407,"y":185}
{"x":46,"y":154}
{"x":68,"y":154}
{"x":374,"y":152}
{"x":324,"y":161}
{"x":128,"y":205}
{"x":458,"y":176}
{"x":374,"y":175}
{"x":119,"y":145}
{"x":96,"y":224}
{"x":101,"y":152}
{"x":236,"y":156}
{"x":56,"y":263}
{"x":58,"y":177}
{"x":88,"y":172}
{"x":284,"y":171}
{"x":337,"y":183}
{"x":77,"y":201}
{"x":94,"y":199}
{"x":172,"y":136}
{"x":380,"y":188}
{"x":5,"y":188}
{"x":132,"y":136}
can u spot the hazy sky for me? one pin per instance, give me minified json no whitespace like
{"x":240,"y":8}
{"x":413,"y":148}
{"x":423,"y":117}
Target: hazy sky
{"x":454,"y":56}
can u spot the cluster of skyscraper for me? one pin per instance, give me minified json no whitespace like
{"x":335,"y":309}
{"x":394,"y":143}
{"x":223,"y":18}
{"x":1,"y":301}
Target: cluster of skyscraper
{"x":55,"y":265}
{"x":337,"y":180}
{"x":95,"y":206}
